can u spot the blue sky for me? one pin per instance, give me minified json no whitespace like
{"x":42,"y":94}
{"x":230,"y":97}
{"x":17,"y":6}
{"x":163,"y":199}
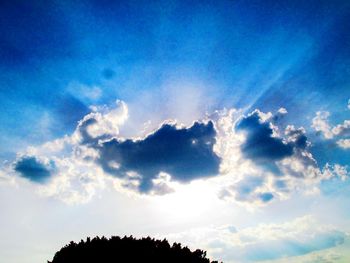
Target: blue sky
{"x":140,"y":106}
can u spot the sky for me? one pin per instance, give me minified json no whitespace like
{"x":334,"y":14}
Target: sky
{"x":223,"y":125}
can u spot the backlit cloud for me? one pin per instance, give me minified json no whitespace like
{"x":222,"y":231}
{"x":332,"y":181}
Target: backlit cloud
{"x":183,"y":153}
{"x":264,"y":161}
{"x":254,"y":160}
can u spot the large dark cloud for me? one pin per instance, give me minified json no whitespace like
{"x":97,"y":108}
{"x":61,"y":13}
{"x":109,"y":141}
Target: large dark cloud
{"x":185,"y":154}
{"x":259,"y":144}
{"x":32,"y":169}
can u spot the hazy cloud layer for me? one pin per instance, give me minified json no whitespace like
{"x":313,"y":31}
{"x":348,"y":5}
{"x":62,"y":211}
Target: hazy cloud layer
{"x":298,"y":237}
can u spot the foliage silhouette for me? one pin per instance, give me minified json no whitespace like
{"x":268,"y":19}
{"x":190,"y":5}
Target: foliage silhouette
{"x":127,"y":249}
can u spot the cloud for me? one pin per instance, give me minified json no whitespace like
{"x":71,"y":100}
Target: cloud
{"x":242,"y":189}
{"x":339,"y":253}
{"x":251,"y":159}
{"x":342,"y":129}
{"x":266,"y":197}
{"x":72,"y":180}
{"x":33,"y":169}
{"x":321,"y":124}
{"x":300,"y":236}
{"x":103,"y":122}
{"x":280,"y":114}
{"x":249,"y":189}
{"x":266,"y":161}
{"x":265,"y":146}
{"x":297,"y":136}
{"x":183,"y":153}
{"x":149,"y":164}
{"x":77,"y":181}
{"x":77,"y":175}
{"x":344,"y":143}
{"x":260,"y":145}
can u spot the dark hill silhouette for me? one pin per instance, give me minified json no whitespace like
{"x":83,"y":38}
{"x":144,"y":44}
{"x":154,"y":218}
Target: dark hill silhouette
{"x":128,"y":249}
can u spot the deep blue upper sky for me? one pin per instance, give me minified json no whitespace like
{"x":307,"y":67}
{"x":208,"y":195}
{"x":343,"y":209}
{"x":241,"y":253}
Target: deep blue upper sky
{"x":280,"y":53}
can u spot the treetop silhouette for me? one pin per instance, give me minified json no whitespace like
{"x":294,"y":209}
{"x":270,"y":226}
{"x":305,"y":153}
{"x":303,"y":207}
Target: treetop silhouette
{"x":128,"y":249}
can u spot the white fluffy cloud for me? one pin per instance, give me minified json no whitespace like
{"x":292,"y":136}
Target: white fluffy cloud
{"x":256,"y":183}
{"x":320,"y":123}
{"x":344,"y":143}
{"x":106,"y":120}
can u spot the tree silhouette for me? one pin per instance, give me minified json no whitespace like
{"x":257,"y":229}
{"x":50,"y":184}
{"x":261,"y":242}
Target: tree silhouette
{"x":127,"y":249}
